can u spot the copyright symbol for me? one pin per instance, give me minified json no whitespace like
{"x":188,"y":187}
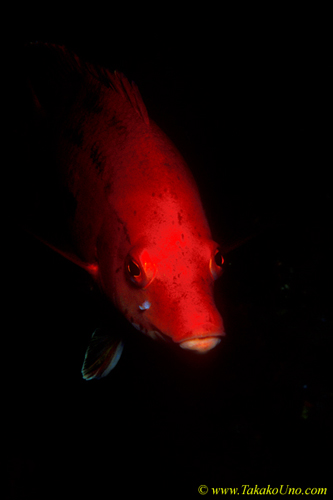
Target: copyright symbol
{"x":203,"y":489}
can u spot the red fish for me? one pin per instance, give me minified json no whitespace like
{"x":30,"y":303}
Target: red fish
{"x":136,"y":221}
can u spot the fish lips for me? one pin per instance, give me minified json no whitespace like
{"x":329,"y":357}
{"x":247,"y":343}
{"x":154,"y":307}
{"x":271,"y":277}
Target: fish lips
{"x":203,"y":340}
{"x":200,"y":345}
{"x":200,"y":340}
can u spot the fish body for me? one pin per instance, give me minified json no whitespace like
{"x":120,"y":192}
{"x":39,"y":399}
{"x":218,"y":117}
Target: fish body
{"x":133,"y":212}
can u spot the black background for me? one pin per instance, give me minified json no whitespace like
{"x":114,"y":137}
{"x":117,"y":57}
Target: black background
{"x":249,"y":109}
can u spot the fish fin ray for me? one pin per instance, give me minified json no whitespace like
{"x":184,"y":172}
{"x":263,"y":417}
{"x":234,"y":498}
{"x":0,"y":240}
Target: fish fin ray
{"x":73,"y":71}
{"x":102,"y":355}
{"x":91,"y":268}
{"x":140,"y":104}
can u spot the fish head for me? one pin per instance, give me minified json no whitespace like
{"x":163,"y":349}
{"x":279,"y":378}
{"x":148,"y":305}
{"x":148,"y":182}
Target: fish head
{"x":157,"y":259}
{"x":165,"y":290}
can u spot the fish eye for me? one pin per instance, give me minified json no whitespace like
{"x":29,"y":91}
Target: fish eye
{"x":139,"y":268}
{"x":218,"y":258}
{"x":133,"y":269}
{"x":216,"y":263}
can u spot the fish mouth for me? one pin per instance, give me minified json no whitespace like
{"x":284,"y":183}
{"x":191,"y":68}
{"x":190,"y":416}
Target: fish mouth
{"x":201,"y":345}
{"x":201,"y":340}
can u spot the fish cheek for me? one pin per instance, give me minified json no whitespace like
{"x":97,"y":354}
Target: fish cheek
{"x":138,"y":308}
{"x":157,"y":315}
{"x":128,"y":299}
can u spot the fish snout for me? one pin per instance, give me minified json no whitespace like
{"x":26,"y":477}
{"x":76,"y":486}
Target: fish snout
{"x":203,"y":339}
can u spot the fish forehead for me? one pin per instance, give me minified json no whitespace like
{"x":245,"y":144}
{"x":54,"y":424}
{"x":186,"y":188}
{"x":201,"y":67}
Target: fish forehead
{"x":148,"y":164}
{"x":158,"y":227}
{"x":184,"y":274}
{"x":179,"y":247}
{"x":163,"y":207}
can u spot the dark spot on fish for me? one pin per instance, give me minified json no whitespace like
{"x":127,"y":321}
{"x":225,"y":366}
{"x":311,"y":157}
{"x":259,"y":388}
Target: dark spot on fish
{"x":155,"y":212}
{"x":97,"y":158}
{"x":134,"y":213}
{"x":199,"y":235}
{"x":74,"y":135}
{"x":124,"y":228}
{"x":160,"y":195}
{"x":153,"y":194}
{"x":178,"y":177}
{"x":182,"y":237}
{"x":127,"y":235}
{"x":108,"y":188}
{"x":118,"y":269}
{"x":178,"y":275}
{"x":180,"y":217}
{"x":165,"y":190}
{"x":115,"y":122}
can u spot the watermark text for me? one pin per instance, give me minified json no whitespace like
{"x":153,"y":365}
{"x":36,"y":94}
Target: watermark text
{"x":247,"y":489}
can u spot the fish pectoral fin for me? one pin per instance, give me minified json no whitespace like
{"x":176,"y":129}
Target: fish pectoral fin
{"x":102,"y":354}
{"x":91,"y":268}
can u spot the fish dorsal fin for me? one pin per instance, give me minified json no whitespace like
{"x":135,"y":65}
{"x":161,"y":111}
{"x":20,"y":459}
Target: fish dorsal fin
{"x":102,"y":354}
{"x":65,"y":73}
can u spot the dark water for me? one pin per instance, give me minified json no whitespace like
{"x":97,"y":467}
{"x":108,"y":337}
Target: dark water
{"x":258,"y":409}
